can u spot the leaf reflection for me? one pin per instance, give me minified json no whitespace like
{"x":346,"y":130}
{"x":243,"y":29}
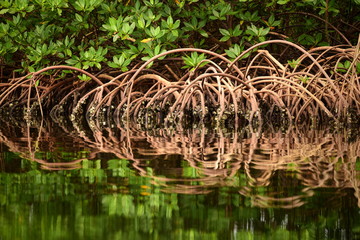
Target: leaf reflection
{"x":273,"y":169}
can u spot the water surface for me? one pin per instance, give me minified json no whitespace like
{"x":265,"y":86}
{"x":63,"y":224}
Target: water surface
{"x":75,"y":182}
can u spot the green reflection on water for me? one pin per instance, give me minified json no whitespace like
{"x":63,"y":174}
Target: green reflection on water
{"x":109,"y":200}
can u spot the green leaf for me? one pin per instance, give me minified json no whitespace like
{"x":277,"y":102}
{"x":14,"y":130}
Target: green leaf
{"x":282,"y":2}
{"x":216,"y":14}
{"x":237,"y":31}
{"x":271,"y":19}
{"x":31,"y":69}
{"x":318,"y":37}
{"x":224,"y":38}
{"x":224,"y":32}
{"x":3,"y":11}
{"x":176,"y":24}
{"x":203,"y":33}
{"x":141,"y":22}
{"x":194,"y":60}
{"x":347,"y":64}
{"x":293,"y":63}
{"x":175,"y":33}
{"x":98,"y":65}
{"x":170,"y":21}
{"x":304,"y":79}
{"x":341,"y":67}
{"x":84,"y":77}
{"x":113,"y":65}
{"x":78,"y":17}
{"x":71,"y":61}
{"x":234,"y":52}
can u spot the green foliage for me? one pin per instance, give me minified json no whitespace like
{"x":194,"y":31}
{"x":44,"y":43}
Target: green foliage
{"x":304,"y":79}
{"x":92,"y":34}
{"x":234,"y":51}
{"x":345,"y":66}
{"x":272,"y":23}
{"x":194,"y":60}
{"x":293,"y":63}
{"x":309,"y":40}
{"x":89,"y":58}
{"x":77,"y":204}
{"x":221,"y":11}
{"x":196,"y":26}
{"x":152,"y":51}
{"x":258,"y":33}
{"x":120,"y":62}
{"x":229,"y":33}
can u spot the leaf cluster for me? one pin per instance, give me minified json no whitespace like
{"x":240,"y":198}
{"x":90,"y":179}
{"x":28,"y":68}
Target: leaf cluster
{"x":93,"y":34}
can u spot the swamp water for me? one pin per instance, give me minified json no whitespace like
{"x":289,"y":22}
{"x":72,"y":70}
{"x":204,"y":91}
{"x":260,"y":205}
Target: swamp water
{"x":61,"y":182}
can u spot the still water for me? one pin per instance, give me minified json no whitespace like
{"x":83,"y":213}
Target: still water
{"x":71,"y":182}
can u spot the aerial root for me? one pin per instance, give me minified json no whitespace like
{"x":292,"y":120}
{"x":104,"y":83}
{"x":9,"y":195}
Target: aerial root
{"x":322,"y":82}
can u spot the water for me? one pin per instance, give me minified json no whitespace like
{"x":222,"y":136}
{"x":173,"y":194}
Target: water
{"x":58,"y":181}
